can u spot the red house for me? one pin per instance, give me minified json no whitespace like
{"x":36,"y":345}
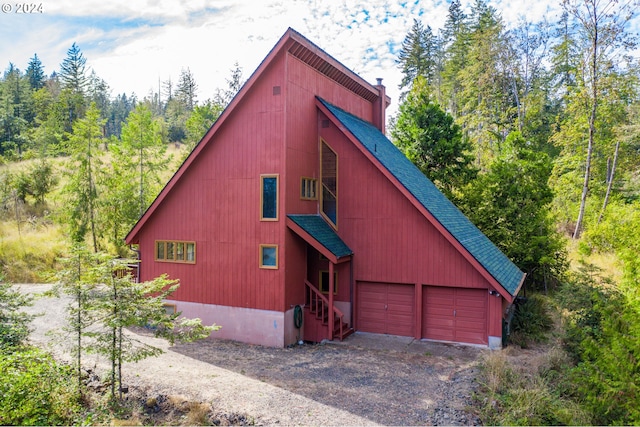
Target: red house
{"x":296,"y":218}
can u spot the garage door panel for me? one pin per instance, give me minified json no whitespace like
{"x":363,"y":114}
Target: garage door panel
{"x":468,"y":324}
{"x":386,"y":308}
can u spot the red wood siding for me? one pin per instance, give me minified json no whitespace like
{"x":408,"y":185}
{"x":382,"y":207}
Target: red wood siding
{"x":386,"y":308}
{"x":392,"y":241}
{"x":217,"y":205}
{"x":455,"y":314}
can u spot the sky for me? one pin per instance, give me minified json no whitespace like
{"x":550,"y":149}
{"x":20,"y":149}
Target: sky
{"x":135,"y":44}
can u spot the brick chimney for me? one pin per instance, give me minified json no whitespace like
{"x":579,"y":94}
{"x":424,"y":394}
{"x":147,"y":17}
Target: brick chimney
{"x":379,"y":107}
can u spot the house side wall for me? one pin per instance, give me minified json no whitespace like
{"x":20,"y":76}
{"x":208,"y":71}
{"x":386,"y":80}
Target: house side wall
{"x":392,"y":240}
{"x":217,"y":205}
{"x":303,"y":84}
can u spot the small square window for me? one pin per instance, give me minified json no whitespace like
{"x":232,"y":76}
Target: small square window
{"x":308,"y":188}
{"x":269,"y":256}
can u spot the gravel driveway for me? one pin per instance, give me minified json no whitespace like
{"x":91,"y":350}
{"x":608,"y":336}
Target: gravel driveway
{"x":367,"y":379}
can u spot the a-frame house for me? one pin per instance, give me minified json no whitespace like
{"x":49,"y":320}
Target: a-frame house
{"x":295,"y":218}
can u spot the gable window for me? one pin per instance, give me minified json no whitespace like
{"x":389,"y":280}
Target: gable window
{"x":269,"y":256}
{"x":329,"y":179}
{"x":175,"y":251}
{"x":308,"y":188}
{"x":324,"y":282}
{"x":269,"y":197}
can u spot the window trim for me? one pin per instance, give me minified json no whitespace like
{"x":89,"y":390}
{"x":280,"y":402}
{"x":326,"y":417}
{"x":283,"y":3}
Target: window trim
{"x":321,"y":192}
{"x":175,"y":243}
{"x":262,"y":178}
{"x":261,"y":257}
{"x":305,"y":182}
{"x":335,"y":282}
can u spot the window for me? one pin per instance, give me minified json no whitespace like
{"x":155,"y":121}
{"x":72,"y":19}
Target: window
{"x":269,"y":256}
{"x":269,"y":197}
{"x":308,"y":189}
{"x":176,"y":251}
{"x":324,"y":282}
{"x":329,"y":178}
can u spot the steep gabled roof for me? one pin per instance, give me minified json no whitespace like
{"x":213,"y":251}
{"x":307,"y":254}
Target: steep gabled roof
{"x":425,"y":192}
{"x":297,"y":45}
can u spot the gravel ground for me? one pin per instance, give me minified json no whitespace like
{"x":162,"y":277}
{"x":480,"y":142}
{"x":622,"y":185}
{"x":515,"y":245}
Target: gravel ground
{"x":367,"y":379}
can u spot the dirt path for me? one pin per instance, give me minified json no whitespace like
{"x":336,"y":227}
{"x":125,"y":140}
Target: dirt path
{"x":368,"y":379}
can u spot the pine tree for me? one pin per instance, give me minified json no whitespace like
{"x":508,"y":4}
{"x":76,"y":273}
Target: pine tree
{"x":35,"y":73}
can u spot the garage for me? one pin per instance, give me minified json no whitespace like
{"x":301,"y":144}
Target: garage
{"x":386,"y":308}
{"x":454,"y":314}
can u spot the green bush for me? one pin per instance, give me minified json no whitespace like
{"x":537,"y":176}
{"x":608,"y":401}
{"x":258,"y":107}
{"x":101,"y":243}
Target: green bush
{"x":36,"y":390}
{"x":531,"y":321}
{"x":602,"y":328}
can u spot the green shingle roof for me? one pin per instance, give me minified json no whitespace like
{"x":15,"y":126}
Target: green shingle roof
{"x":470,"y":237}
{"x":323,"y":233}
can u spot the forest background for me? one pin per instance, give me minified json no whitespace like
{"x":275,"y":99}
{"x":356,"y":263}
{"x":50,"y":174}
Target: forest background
{"x":533,"y":132}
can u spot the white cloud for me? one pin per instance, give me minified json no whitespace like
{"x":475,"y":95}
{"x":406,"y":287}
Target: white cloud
{"x":133,"y":43}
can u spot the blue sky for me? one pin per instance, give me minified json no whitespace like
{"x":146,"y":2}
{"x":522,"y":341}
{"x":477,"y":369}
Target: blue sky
{"x":132,"y":44}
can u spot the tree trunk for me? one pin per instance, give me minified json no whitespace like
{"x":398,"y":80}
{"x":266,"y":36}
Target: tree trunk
{"x":592,"y":128}
{"x":610,"y":178}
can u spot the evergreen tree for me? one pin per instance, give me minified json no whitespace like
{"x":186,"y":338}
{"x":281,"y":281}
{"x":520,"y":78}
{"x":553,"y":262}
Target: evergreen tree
{"x":430,"y":138}
{"x":510,"y":204}
{"x":187,"y":89}
{"x":418,"y":55}
{"x":81,"y":189}
{"x":73,"y":76}
{"x":35,"y":73}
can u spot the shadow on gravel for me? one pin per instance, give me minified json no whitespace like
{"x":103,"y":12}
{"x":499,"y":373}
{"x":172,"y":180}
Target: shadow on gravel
{"x":421,"y":383}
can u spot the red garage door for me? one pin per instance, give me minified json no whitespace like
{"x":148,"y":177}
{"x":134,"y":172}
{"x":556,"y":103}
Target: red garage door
{"x":454,"y":314}
{"x":385,"y":308}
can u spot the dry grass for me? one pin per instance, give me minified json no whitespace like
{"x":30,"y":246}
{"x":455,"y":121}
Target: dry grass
{"x":29,"y":254}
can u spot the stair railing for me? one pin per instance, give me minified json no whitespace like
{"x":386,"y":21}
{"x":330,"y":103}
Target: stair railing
{"x":316,"y":302}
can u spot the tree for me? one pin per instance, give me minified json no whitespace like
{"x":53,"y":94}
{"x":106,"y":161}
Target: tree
{"x":602,"y":27}
{"x":418,"y":55}
{"x":14,"y":324}
{"x":199,"y":122}
{"x":223,"y":97}
{"x":135,"y":177}
{"x":81,"y":190}
{"x":73,"y":76}
{"x":35,"y":73}
{"x":510,"y":204}
{"x":430,"y":138}
{"x":106,"y":298}
{"x":187,"y":89}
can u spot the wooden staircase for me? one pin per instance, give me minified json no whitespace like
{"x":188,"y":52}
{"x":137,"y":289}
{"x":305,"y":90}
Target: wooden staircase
{"x":318,"y":307}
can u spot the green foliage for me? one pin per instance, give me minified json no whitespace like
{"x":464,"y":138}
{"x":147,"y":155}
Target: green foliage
{"x":531,"y":321}
{"x":81,"y":190}
{"x":36,"y":390}
{"x":510,"y":204}
{"x":602,"y":325}
{"x":106,"y":300}
{"x":14,"y":324}
{"x":432,"y":141}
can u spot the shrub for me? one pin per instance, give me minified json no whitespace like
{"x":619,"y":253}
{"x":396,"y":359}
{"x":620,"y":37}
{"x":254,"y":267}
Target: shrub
{"x":36,"y":390}
{"x":531,"y":321}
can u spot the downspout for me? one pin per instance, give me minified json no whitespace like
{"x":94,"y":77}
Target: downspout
{"x":331,"y":288}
